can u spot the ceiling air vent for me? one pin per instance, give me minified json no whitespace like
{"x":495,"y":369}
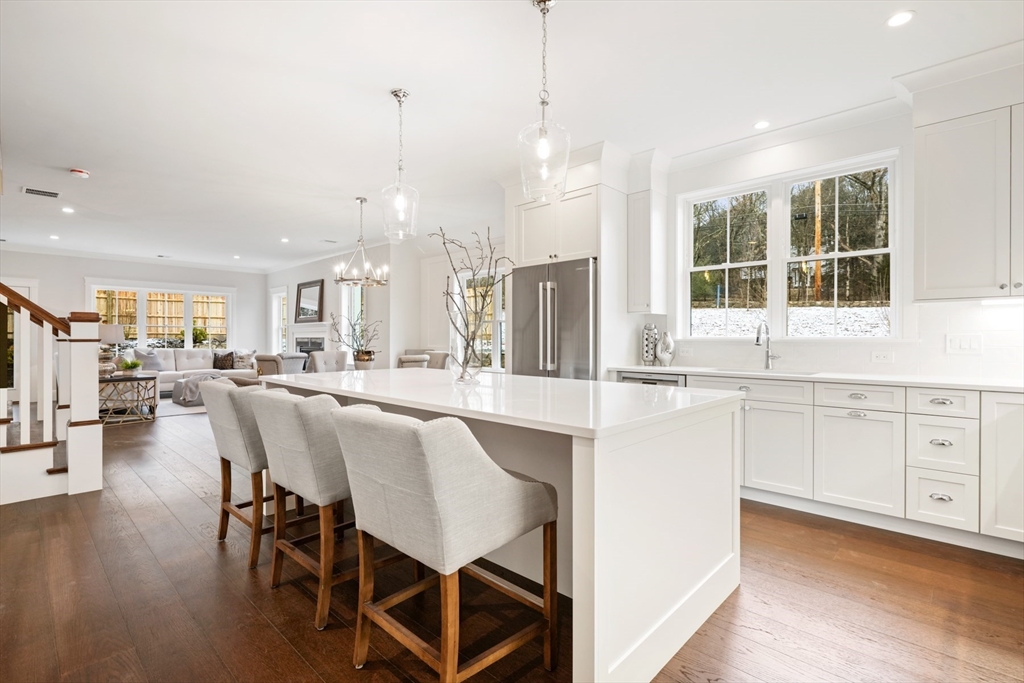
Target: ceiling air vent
{"x":40,"y":193}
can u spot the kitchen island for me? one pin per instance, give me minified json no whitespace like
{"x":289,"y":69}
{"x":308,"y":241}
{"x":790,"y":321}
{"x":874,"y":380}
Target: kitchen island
{"x":648,"y":491}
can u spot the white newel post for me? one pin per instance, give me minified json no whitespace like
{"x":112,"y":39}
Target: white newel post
{"x":85,"y":431}
{"x":63,"y":413}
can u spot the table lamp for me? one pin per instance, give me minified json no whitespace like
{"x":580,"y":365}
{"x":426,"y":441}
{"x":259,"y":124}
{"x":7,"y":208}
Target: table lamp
{"x":109,"y":334}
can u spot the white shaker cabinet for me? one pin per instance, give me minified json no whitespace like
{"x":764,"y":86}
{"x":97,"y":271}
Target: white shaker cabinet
{"x":1002,"y":465}
{"x":778,"y":447}
{"x":1017,"y":200}
{"x":559,"y":230}
{"x":646,"y":249}
{"x":860,"y":459}
{"x":962,"y":207}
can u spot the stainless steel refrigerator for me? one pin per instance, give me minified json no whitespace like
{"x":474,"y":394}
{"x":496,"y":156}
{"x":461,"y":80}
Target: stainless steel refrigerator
{"x":554,"y":320}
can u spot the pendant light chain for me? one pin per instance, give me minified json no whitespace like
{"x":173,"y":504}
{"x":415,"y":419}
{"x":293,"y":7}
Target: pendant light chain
{"x":400,"y":159}
{"x":544,"y":60}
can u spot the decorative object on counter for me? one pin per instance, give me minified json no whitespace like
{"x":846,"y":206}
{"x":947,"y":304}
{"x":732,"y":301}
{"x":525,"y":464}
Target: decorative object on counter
{"x":648,"y":343}
{"x":371,"y":277}
{"x":309,"y":302}
{"x":544,"y":145}
{"x":401,"y":201}
{"x":359,"y":337}
{"x":130,"y":367}
{"x":475,"y":272}
{"x":109,"y":335}
{"x":666,"y":349}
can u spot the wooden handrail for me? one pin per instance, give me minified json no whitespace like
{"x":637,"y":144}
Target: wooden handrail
{"x":37,"y":313}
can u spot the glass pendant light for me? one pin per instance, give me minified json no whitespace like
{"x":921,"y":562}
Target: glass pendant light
{"x":401,"y":201}
{"x":359,"y":271}
{"x":544,"y":145}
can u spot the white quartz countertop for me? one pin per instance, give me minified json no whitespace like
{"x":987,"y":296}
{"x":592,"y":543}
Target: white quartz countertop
{"x":565,"y":406}
{"x":988,"y":384}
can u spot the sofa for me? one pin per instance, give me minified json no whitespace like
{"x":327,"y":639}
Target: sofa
{"x":181,"y":363}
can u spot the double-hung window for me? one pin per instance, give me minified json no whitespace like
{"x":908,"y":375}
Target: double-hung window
{"x":165,"y":319}
{"x":492,"y":321}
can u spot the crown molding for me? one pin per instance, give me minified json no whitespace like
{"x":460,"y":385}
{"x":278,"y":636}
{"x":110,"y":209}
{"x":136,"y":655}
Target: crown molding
{"x":48,"y":251}
{"x":971,"y":66}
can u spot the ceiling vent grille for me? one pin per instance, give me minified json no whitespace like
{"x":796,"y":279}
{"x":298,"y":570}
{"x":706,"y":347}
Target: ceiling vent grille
{"x":41,"y":193}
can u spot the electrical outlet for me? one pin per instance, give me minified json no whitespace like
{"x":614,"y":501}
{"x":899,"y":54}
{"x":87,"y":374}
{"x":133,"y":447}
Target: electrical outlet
{"x":684,"y":352}
{"x":881,"y":356}
{"x":965,"y":343}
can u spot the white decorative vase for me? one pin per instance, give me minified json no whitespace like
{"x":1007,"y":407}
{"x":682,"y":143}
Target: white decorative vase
{"x":666,"y":349}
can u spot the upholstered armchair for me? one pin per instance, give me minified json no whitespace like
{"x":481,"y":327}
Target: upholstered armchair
{"x":327,"y":361}
{"x":280,"y":363}
{"x":423,"y":358}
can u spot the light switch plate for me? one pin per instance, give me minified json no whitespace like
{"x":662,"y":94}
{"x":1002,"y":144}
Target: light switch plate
{"x":684,"y":352}
{"x":965,"y":343}
{"x":881,"y":356}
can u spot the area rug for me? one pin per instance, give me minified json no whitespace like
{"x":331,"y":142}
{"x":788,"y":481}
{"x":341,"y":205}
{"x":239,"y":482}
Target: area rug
{"x":168,"y":408}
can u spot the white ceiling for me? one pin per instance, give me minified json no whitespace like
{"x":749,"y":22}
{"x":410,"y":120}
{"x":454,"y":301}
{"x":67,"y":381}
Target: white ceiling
{"x":216,"y":128}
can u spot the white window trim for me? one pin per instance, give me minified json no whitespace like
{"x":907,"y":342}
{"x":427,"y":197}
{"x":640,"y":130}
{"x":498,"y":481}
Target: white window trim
{"x":778,"y":187}
{"x":274,"y":296}
{"x":496,"y":324}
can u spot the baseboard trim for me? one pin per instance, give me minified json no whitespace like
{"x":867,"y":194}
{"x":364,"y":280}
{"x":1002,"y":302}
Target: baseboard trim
{"x":911,"y":527}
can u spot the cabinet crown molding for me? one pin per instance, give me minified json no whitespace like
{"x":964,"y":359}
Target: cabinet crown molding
{"x":971,"y":66}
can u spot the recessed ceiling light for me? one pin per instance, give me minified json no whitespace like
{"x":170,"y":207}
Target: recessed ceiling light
{"x":284,"y":239}
{"x":761,"y":125}
{"x":54,"y":237}
{"x":900,"y":18}
{"x":238,"y":257}
{"x":68,"y":209}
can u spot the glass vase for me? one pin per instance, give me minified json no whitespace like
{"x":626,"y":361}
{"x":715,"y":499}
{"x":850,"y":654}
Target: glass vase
{"x":466,"y":359}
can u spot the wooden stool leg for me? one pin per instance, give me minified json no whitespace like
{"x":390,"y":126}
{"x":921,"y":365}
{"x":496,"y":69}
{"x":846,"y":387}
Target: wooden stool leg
{"x":323,"y":598}
{"x":277,"y":557}
{"x":551,"y":595}
{"x":363,"y":622}
{"x":417,"y":571}
{"x":300,"y":506}
{"x":225,"y":498}
{"x":257,"y":519}
{"x":449,"y":669}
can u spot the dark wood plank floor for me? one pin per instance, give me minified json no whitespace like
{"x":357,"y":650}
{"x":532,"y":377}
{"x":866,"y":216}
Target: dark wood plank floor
{"x":129,"y":583}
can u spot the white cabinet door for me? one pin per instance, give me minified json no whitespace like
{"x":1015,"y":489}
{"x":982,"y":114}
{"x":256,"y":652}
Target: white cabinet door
{"x":537,"y":238}
{"x":1002,"y":465}
{"x":778,"y":447}
{"x":579,"y":224}
{"x":962,"y":207}
{"x":1017,"y":200}
{"x":638,"y":248}
{"x":859,"y":459}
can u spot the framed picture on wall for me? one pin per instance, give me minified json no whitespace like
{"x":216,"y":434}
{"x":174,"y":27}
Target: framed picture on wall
{"x":309,"y":302}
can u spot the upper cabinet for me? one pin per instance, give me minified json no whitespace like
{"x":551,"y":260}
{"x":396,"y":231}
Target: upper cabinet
{"x":646,"y":247}
{"x":964,"y":243}
{"x":562,"y":230}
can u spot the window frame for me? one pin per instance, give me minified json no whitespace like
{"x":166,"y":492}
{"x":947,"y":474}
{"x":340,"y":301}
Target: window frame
{"x":778,"y":187}
{"x":498,"y":322}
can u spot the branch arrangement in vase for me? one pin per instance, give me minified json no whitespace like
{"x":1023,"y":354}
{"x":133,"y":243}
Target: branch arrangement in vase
{"x":359,"y":336}
{"x":478,"y":265}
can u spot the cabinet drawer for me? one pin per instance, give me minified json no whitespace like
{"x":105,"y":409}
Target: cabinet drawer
{"x":862,"y":396}
{"x":783,"y":391}
{"x":949,"y":402}
{"x":942,"y":498}
{"x":950,"y":444}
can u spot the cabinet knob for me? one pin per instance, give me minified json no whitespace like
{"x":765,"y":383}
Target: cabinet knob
{"x":941,"y":442}
{"x":1003,"y":286}
{"x":743,"y":387}
{"x":858,"y":396}
{"x":1018,"y":285}
{"x":944,"y":497}
{"x":746,"y":407}
{"x":857,"y":413}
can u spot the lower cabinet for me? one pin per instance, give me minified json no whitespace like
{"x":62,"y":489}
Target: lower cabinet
{"x":860,"y":459}
{"x":946,"y":498}
{"x":1002,"y":465}
{"x":778,"y":447}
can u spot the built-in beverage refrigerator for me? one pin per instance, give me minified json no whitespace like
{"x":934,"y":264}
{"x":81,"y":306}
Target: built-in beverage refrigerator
{"x":554,"y":320}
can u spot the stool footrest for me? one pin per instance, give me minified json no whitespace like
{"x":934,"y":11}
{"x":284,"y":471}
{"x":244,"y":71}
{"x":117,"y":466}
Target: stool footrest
{"x":501,"y":585}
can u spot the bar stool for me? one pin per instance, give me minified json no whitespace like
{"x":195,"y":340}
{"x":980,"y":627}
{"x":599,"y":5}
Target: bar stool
{"x":430,"y":491}
{"x":304,"y":456}
{"x":238,"y":441}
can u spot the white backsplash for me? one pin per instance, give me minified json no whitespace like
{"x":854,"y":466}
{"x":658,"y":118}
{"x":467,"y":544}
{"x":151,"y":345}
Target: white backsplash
{"x":1002,"y":355}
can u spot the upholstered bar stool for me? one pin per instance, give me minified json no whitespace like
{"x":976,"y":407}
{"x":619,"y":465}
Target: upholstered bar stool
{"x":327,"y":361}
{"x":304,"y":456}
{"x":429,"y":490}
{"x":238,"y":441}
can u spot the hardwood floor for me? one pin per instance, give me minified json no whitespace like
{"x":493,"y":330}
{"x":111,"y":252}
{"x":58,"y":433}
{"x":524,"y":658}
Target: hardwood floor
{"x":129,"y":583}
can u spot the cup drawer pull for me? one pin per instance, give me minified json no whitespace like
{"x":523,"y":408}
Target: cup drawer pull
{"x":744,"y":387}
{"x":857,"y":413}
{"x":941,"y":442}
{"x":858,"y":396}
{"x":942,"y":401}
{"x":944,"y":497}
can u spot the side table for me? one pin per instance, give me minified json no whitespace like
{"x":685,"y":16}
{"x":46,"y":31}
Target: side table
{"x":128,"y":398}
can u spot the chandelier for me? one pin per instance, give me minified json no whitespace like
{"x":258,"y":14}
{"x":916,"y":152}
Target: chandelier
{"x":370,"y":276}
{"x":544,"y":145}
{"x":401,"y":201}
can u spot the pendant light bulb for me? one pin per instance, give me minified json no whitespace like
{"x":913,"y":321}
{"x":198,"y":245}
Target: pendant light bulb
{"x":400,"y":200}
{"x":347,"y":275}
{"x":543,"y":146}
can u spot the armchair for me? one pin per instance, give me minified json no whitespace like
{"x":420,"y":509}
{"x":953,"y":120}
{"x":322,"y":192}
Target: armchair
{"x":280,"y":363}
{"x":328,"y":361}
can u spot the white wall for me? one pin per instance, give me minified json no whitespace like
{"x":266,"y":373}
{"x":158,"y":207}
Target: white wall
{"x":62,"y":286}
{"x":920,"y":349}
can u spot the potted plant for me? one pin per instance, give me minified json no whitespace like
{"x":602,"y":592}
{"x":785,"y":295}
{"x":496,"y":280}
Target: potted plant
{"x":475,"y":272}
{"x":358,"y":336}
{"x":130,"y":367}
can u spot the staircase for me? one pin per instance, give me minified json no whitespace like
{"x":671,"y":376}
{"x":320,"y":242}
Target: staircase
{"x":64,"y":424}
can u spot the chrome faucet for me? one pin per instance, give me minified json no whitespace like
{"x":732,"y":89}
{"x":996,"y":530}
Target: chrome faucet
{"x":765,"y":337}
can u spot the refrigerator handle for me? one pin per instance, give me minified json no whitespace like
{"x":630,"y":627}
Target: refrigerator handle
{"x":540,"y":324}
{"x":552,"y":313}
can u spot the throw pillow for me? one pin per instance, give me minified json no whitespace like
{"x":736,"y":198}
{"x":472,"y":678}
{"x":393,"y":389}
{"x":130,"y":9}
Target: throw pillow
{"x":243,"y":359}
{"x":150,"y":361}
{"x":223,"y":361}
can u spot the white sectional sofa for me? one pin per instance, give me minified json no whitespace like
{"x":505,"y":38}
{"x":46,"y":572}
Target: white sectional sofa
{"x":180,"y":363}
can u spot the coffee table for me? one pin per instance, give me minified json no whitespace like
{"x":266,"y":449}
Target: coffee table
{"x":128,"y":398}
